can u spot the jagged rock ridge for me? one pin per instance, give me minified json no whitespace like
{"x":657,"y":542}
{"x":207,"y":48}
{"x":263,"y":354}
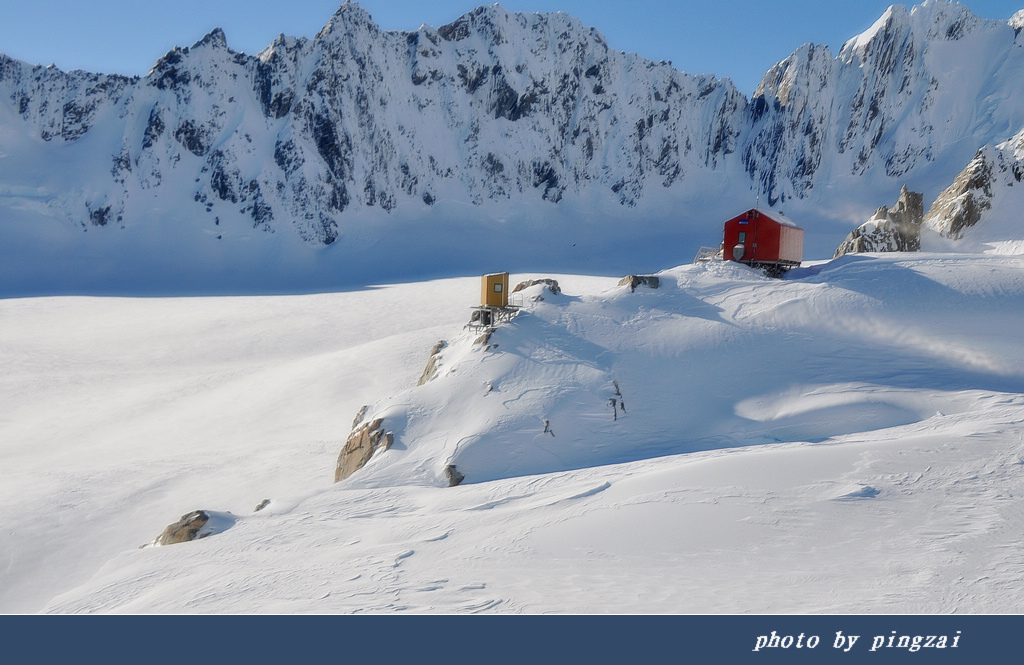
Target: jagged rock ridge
{"x":493,"y":106}
{"x":962,"y":204}
{"x":895,"y":229}
{"x":887,"y":103}
{"x":497,"y":106}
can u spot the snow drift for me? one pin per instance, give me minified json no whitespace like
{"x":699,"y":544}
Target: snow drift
{"x":847,"y":440}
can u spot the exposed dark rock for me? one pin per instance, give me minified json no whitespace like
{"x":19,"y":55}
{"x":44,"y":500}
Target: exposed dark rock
{"x":288,"y":157}
{"x":99,"y":216}
{"x":493,"y":165}
{"x":195,"y":138}
{"x":214,"y":39}
{"x":361,"y":445}
{"x":545,"y":174}
{"x":551,"y":284}
{"x":154,"y":129}
{"x":185,"y":529}
{"x":506,"y":102}
{"x":166,"y":74}
{"x":896,"y":229}
{"x":472,"y":80}
{"x":76,"y":119}
{"x":335,"y":149}
{"x":453,"y":475}
{"x":221,"y":182}
{"x":281,"y":104}
{"x":455,"y":31}
{"x":433,"y":362}
{"x":961,"y":205}
{"x":122,"y":166}
{"x":634,"y":281}
{"x":260,"y":211}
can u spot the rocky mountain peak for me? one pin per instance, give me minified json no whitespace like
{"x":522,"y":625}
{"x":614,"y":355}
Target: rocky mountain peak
{"x":804,"y":72}
{"x":350,"y":19}
{"x":909,"y":209}
{"x":933,"y":20}
{"x":215,"y":39}
{"x":893,"y":21}
{"x":1017,"y":21}
{"x":946,"y":20}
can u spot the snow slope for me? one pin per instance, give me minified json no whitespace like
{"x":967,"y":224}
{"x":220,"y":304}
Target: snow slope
{"x":846,"y":440}
{"x":720,"y":352}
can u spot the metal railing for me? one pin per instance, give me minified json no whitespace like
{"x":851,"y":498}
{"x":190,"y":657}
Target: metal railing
{"x":707,"y":254}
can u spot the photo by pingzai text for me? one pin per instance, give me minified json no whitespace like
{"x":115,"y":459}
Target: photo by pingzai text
{"x":846,"y":643}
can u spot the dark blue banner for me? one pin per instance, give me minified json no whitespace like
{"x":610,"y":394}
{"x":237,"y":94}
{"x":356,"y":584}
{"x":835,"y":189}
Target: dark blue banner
{"x":624,"y":640}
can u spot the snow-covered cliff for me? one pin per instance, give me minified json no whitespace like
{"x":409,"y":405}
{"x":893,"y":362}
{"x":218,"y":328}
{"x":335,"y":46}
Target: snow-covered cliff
{"x":363,"y":136}
{"x":922,"y":89}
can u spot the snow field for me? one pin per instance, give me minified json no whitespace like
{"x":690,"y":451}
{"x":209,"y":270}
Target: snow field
{"x":845,"y":440}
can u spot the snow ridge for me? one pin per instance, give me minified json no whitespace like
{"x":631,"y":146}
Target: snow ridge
{"x":899,"y":101}
{"x":497,"y":115}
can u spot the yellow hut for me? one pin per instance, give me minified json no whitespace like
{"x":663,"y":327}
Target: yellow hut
{"x":494,"y":290}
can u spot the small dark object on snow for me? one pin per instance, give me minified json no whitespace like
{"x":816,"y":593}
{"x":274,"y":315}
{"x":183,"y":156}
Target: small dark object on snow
{"x":453,"y":475}
{"x":634,"y":281}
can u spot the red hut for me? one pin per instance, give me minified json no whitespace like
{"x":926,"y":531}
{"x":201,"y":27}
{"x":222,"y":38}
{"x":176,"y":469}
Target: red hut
{"x":763,"y":240}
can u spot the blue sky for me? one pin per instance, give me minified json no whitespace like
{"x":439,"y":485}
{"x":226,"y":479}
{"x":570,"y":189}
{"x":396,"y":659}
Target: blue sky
{"x":740,"y":39}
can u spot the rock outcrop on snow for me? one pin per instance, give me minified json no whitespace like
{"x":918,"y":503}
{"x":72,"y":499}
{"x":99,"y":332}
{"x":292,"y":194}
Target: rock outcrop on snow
{"x":895,"y":229}
{"x":964,"y":203}
{"x":186,"y":529}
{"x":362,"y":444}
{"x":550,"y":284}
{"x":196,"y":525}
{"x":633,"y":281}
{"x":433,"y":361}
{"x":453,"y":475}
{"x":961,"y":204}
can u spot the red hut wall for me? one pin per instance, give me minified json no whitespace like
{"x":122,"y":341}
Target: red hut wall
{"x":764,"y":239}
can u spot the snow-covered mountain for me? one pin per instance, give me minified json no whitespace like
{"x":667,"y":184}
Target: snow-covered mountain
{"x":525,"y":129}
{"x":917,"y":93}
